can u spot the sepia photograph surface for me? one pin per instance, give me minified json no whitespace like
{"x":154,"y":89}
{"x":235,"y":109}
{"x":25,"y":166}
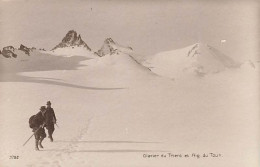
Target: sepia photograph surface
{"x":119,"y":83}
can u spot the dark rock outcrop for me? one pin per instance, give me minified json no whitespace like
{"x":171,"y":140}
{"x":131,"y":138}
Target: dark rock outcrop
{"x":8,"y":52}
{"x":107,"y":48}
{"x":72,"y":39}
{"x":25,"y":49}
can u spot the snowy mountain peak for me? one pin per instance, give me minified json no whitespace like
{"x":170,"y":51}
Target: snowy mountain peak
{"x":72,"y":39}
{"x":111,"y":47}
{"x":199,"y":59}
{"x":204,"y":53}
{"x":194,"y":50}
{"x":109,"y":41}
{"x":198,"y":49}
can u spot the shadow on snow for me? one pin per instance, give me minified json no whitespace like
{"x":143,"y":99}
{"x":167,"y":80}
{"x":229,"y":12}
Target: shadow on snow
{"x":9,"y":70}
{"x":106,"y":142}
{"x":105,"y":151}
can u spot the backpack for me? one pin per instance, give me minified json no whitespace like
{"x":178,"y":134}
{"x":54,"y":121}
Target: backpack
{"x":32,"y":121}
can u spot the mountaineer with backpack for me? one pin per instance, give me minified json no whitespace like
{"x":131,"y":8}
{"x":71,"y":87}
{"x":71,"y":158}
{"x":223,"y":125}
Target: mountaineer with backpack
{"x":37,"y":123}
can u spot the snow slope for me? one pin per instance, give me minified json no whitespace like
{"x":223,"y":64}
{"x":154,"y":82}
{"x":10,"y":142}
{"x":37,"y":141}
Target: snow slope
{"x":38,"y":61}
{"x":72,"y":51}
{"x":111,"y":111}
{"x":198,"y":59}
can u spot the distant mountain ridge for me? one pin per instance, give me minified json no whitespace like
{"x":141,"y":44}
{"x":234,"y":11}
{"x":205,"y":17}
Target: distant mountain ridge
{"x":11,"y":52}
{"x":72,"y":44}
{"x":198,"y":59}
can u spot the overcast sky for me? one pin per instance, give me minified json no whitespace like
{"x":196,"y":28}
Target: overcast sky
{"x":148,"y":26}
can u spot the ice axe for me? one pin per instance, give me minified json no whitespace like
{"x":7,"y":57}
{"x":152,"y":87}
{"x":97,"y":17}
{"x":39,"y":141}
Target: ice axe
{"x":57,"y":125}
{"x":33,"y":134}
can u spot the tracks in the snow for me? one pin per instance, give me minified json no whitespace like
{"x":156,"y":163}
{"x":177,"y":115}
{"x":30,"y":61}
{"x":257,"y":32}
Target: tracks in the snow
{"x":61,"y":155}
